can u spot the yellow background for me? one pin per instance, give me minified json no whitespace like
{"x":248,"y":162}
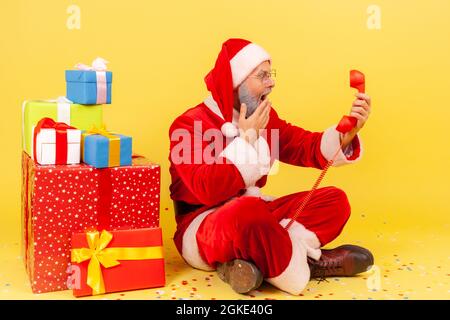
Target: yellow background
{"x":159,"y":53}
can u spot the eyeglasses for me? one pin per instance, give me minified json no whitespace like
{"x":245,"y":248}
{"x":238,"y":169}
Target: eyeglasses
{"x":266,"y":76}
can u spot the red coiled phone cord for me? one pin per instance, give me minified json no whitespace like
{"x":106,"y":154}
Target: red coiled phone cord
{"x":357,"y":80}
{"x":316,"y":185}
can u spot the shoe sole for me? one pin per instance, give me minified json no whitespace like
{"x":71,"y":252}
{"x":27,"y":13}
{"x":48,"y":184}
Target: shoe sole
{"x":241,"y":275}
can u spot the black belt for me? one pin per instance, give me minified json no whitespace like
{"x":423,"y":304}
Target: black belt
{"x":182,"y":207}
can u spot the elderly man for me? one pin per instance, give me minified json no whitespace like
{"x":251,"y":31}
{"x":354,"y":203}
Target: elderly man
{"x":221,"y":154}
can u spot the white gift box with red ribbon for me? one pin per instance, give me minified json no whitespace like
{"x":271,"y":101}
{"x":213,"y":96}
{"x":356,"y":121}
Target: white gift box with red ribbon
{"x":56,"y":143}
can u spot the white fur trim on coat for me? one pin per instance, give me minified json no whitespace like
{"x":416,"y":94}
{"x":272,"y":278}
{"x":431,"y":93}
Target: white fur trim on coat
{"x":253,"y":162}
{"x":330,"y":144}
{"x":255,"y":191}
{"x":245,"y":61}
{"x":213,"y":106}
{"x":229,"y":130}
{"x":190,"y":250}
{"x":297,"y":274}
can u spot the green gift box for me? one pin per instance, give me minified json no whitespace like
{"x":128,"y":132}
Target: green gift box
{"x":82,"y":117}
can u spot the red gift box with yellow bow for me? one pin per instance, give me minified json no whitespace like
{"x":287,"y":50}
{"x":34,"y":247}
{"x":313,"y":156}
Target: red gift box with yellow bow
{"x":104,"y":262}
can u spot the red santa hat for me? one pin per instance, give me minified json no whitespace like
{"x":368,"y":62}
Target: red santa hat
{"x":237,"y":59}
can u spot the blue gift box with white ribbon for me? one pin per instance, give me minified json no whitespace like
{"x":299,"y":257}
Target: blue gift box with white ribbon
{"x":89,"y":87}
{"x":89,"y":84}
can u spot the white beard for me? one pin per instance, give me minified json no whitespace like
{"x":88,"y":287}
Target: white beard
{"x":246,"y":97}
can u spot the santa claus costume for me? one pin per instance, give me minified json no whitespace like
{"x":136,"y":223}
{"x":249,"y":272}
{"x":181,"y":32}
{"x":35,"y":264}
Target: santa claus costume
{"x":221,"y":213}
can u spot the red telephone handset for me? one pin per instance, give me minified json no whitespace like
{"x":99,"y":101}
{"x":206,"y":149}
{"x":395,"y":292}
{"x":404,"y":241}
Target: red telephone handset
{"x":357,"y":81}
{"x":347,"y":123}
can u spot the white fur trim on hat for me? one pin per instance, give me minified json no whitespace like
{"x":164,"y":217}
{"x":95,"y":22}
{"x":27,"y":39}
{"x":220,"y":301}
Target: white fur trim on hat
{"x":229,"y":130}
{"x":245,"y":61}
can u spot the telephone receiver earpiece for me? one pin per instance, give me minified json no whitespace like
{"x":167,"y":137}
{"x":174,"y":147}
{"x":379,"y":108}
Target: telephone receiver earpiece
{"x":357,"y":81}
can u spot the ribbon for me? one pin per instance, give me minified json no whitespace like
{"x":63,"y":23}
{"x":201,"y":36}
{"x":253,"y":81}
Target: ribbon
{"x":60,"y":99}
{"x":63,"y":108}
{"x":105,"y":180}
{"x":105,"y":186}
{"x":114,"y":144}
{"x":99,"y":255}
{"x":99,"y":66}
{"x":61,"y":138}
{"x":63,"y":112}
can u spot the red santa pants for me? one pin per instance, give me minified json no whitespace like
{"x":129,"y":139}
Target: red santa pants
{"x":252,"y":229}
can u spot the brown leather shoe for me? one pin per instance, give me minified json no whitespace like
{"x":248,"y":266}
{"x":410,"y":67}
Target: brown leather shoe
{"x":241,"y":275}
{"x":344,"y":261}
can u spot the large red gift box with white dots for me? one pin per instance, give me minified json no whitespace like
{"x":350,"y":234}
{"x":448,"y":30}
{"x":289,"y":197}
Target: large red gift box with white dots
{"x":58,"y":200}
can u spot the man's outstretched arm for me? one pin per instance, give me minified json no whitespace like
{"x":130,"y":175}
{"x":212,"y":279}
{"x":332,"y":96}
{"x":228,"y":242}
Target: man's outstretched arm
{"x":304,"y":148}
{"x":313,"y":149}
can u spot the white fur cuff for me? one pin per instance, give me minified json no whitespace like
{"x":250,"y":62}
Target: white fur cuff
{"x":297,"y":274}
{"x":307,"y":237}
{"x":330,"y":144}
{"x":254,"y":191}
{"x":252,"y":162}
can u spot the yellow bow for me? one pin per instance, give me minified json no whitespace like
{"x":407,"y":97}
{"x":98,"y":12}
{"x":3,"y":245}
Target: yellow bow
{"x":99,"y":256}
{"x":101,"y":131}
{"x":114,"y":144}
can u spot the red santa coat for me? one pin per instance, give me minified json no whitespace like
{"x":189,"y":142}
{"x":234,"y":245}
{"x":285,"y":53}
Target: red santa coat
{"x":230,"y":168}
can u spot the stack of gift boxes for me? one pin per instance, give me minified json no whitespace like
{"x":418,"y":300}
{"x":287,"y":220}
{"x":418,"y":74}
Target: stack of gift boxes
{"x":90,"y":209}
